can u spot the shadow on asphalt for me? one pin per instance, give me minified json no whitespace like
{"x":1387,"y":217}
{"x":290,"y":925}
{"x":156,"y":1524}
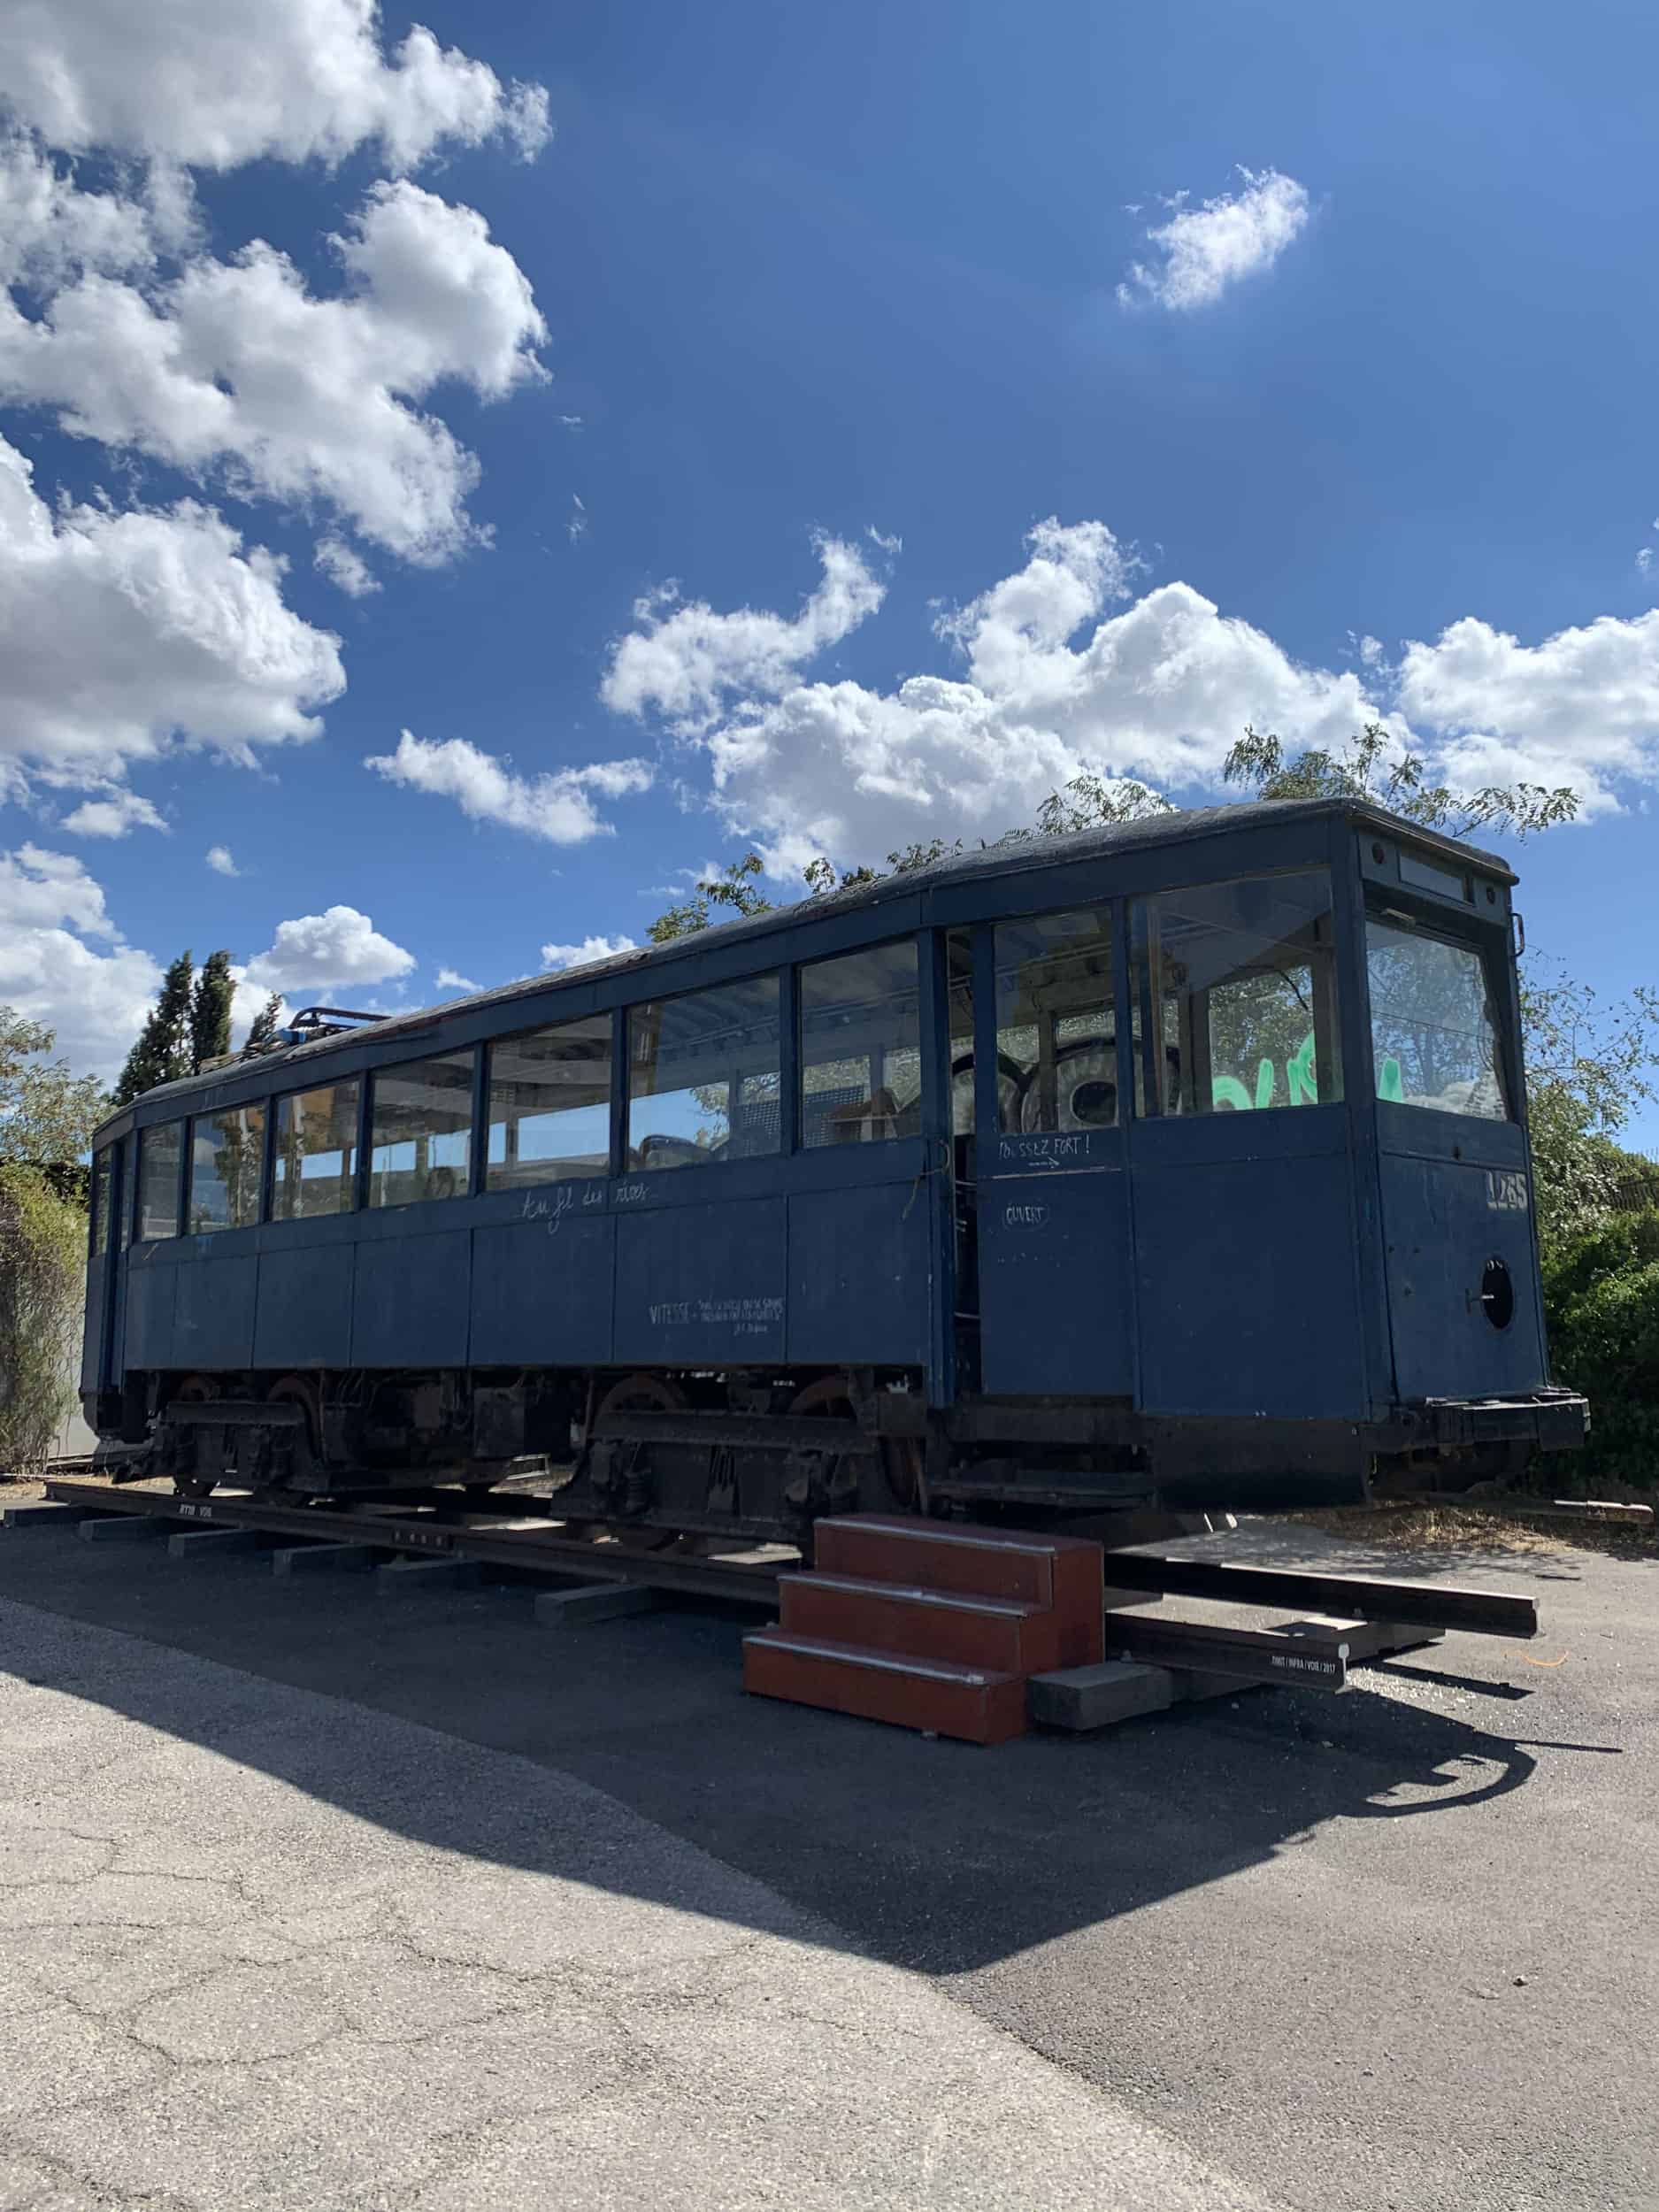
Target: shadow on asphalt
{"x":935,"y":1856}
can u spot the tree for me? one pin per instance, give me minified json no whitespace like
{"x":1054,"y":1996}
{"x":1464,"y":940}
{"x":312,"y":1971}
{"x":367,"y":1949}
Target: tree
{"x":43,"y":1249}
{"x":162,"y":1053}
{"x":261,"y":1035}
{"x":733,"y":887}
{"x":1589,"y":1065}
{"x":1369,"y":768}
{"x":47,"y":1115}
{"x":210,"y":1011}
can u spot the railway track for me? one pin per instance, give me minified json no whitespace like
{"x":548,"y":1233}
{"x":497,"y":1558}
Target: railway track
{"x":1232,"y":1622}
{"x":448,"y":1527}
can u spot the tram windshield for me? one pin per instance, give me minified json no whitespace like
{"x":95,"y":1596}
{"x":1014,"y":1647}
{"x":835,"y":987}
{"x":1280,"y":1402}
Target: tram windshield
{"x":1435,"y":1035}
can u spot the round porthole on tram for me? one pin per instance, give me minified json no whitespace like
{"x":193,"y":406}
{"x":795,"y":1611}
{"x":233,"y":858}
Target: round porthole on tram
{"x":1497,"y":1294}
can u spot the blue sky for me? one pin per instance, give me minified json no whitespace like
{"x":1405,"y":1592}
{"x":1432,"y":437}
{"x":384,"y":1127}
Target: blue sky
{"x":801,"y":278}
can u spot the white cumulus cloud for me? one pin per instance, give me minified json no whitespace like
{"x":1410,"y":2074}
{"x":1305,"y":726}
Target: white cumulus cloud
{"x":219,"y":860}
{"x":1581,"y":707}
{"x":1159,"y":691}
{"x":558,"y":805}
{"x":236,"y":369}
{"x":113,"y":814}
{"x":215,"y":83}
{"x":50,"y":228}
{"x":1063,"y":673}
{"x":63,"y":963}
{"x":687,"y":663}
{"x":343,"y":565}
{"x":330,"y":951}
{"x":1200,"y":252}
{"x":589,"y":948}
{"x":120,"y":631}
{"x":449,"y":980}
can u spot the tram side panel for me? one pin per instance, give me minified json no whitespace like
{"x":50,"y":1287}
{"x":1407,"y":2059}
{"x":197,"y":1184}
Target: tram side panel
{"x":700,"y":1285}
{"x":152,"y":1275}
{"x":305,"y":1299}
{"x":214,"y":1304}
{"x":859,"y":1282}
{"x":542,"y":1288}
{"x":1248,"y":1281}
{"x":1463,"y":1285}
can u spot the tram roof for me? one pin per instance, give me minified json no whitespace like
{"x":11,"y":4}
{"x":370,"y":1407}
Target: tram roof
{"x":1014,"y":857}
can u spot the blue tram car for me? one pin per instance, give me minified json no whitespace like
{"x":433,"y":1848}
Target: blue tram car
{"x":1182,"y":1163}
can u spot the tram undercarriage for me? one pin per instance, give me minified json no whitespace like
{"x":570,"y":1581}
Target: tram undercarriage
{"x":759,"y":1456}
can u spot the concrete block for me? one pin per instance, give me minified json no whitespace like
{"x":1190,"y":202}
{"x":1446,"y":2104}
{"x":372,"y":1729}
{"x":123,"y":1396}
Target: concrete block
{"x":399,"y":1577}
{"x":1096,"y":1696}
{"x":321,"y":1559}
{"x":592,"y":1602}
{"x":209,"y":1543}
{"x":41,"y":1513}
{"x":123,"y":1528}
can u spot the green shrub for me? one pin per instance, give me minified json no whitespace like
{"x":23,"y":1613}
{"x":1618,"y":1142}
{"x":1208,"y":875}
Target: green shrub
{"x":1602,"y":1310}
{"x":43,"y":1258}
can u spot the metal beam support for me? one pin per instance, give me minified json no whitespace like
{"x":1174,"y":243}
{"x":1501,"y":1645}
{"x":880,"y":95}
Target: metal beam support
{"x":1423,"y":1604}
{"x":1254,"y":1654}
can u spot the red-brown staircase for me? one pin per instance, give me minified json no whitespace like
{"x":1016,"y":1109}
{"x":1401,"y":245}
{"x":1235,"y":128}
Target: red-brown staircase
{"x":929,"y":1626}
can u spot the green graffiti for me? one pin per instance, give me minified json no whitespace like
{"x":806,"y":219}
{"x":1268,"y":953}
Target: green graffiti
{"x":1301,"y":1075}
{"x":1228,"y":1094}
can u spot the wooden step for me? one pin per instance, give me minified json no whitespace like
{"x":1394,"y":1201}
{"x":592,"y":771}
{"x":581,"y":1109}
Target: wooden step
{"x":1063,"y":1572}
{"x":996,"y":1632}
{"x":979,"y":1704}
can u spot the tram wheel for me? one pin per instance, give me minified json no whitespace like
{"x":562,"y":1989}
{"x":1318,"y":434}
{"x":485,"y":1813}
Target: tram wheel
{"x":642,"y":1393}
{"x":194,"y":1390}
{"x":302,"y":1391}
{"x":901,"y":1457}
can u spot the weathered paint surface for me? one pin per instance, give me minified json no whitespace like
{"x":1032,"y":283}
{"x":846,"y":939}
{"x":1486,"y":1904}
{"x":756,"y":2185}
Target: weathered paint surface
{"x":1319,"y":1260}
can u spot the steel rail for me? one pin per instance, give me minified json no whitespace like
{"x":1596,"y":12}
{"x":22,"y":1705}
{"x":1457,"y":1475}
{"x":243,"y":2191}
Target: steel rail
{"x":1361,"y":1597}
{"x":752,"y":1584}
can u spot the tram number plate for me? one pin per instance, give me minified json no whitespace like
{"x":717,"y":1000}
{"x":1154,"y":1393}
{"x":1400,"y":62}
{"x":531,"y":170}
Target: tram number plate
{"x":1506,"y":1191}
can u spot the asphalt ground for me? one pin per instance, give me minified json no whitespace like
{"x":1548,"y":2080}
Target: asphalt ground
{"x":1398,"y":1948}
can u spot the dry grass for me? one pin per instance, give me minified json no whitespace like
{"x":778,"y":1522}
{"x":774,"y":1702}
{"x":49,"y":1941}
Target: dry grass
{"x":1501,"y":1531}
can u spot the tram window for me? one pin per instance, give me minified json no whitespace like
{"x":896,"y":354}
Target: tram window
{"x":1056,"y":1057}
{"x":103,"y":1163}
{"x":704,"y":1076}
{"x":227,"y":1168}
{"x":861,"y":1058}
{"x":1434,"y":1030}
{"x":549,"y":1104}
{"x":420,"y":1138}
{"x":314,"y":1164}
{"x":159,"y":1152}
{"x":1240,"y":982}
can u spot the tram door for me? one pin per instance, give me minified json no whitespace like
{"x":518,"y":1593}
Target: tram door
{"x":1052,"y":1208}
{"x":101,"y":1346}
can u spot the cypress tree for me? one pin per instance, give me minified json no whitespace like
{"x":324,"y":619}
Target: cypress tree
{"x":162,"y":1053}
{"x":265,"y":1024}
{"x":210,"y":1011}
